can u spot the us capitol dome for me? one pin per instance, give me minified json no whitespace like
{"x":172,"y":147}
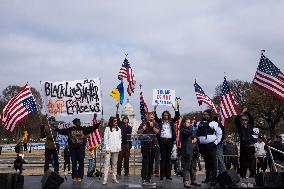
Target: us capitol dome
{"x":128,"y":110}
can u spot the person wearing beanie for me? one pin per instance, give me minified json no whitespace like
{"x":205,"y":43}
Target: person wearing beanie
{"x":48,"y":130}
{"x":77,"y":139}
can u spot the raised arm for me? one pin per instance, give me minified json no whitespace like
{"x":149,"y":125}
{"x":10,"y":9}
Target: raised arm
{"x":177,"y":114}
{"x":158,"y":120}
{"x":117,"y":114}
{"x":88,"y":130}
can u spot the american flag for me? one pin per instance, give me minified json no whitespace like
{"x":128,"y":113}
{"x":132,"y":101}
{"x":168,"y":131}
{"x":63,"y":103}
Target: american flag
{"x":127,"y":72}
{"x":202,"y":97}
{"x":228,"y":106}
{"x":94,"y":138}
{"x":18,"y":108}
{"x":177,"y":127}
{"x":270,"y":78}
{"x":143,"y":108}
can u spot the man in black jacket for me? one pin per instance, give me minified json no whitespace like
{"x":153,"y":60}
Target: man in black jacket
{"x":77,"y":138}
{"x":166,"y":140}
{"x":48,"y":130}
{"x":126,"y":144}
{"x":245,"y":124}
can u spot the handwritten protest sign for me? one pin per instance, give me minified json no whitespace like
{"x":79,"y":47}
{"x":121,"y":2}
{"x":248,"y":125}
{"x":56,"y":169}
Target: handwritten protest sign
{"x":164,"y":97}
{"x":72,"y":97}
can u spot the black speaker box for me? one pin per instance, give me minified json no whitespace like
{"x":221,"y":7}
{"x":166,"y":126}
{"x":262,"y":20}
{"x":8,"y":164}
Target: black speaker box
{"x":228,"y":179}
{"x":51,"y":180}
{"x":11,"y":181}
{"x":270,"y":179}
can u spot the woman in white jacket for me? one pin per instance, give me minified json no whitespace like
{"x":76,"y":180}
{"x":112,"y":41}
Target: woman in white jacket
{"x":112,"y":146}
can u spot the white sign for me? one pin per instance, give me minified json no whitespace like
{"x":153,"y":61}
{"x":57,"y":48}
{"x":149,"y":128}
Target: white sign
{"x":72,"y":97}
{"x":164,"y":97}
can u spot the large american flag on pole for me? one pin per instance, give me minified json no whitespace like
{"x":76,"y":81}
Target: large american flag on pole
{"x":127,"y":72}
{"x":228,"y":105}
{"x":202,"y":97}
{"x":269,"y":78}
{"x":143,"y":107}
{"x":18,"y":108}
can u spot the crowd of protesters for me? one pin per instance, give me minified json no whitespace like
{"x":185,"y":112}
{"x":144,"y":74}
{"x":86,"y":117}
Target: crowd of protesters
{"x":204,"y":138}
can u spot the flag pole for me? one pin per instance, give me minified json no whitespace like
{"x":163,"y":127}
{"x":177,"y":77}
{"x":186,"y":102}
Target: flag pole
{"x":262,"y":51}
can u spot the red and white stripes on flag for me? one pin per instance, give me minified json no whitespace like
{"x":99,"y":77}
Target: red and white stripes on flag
{"x":269,"y":78}
{"x":18,"y":108}
{"x":228,"y":105}
{"x":94,"y":138}
{"x":127,"y":72}
{"x":177,"y":127}
{"x":202,"y":97}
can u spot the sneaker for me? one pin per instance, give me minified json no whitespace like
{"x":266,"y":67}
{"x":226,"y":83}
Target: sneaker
{"x":169,"y":178}
{"x":79,"y":179}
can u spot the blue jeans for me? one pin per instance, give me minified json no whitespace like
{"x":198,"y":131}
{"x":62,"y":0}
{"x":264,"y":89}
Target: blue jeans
{"x":77,"y":156}
{"x":90,"y":165}
{"x":220,"y":158}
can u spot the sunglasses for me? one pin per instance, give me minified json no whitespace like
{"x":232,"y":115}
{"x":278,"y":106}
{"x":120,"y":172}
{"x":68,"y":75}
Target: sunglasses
{"x":244,"y":120}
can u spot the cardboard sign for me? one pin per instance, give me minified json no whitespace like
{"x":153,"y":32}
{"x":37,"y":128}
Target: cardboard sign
{"x":164,"y":97}
{"x":72,"y":97}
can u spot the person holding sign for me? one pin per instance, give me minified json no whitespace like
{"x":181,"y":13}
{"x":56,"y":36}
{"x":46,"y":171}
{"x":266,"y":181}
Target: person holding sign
{"x":77,"y":139}
{"x":167,"y":139}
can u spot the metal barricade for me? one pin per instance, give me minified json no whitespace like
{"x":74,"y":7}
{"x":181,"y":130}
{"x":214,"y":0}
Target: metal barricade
{"x":274,"y":164}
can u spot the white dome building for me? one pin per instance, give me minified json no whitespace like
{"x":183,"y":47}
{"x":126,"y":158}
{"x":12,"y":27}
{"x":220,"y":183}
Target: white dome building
{"x":128,"y":110}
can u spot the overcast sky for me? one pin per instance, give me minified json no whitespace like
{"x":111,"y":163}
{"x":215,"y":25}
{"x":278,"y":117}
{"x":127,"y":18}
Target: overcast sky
{"x":170,"y":43}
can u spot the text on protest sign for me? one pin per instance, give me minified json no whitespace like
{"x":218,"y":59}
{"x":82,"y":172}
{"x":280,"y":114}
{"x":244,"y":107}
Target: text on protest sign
{"x":72,"y":97}
{"x":163,"y":97}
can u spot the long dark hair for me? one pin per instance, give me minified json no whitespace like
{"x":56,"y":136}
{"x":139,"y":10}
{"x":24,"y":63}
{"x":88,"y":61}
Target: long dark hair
{"x":111,"y":123}
{"x":167,"y":113}
{"x":182,"y":124}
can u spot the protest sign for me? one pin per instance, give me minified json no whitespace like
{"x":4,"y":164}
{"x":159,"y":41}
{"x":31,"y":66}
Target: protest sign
{"x":163,"y":97}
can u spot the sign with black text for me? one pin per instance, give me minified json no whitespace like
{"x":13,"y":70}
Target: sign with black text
{"x":72,"y":97}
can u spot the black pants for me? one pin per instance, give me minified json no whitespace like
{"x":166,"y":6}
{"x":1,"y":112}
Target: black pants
{"x":66,"y":163}
{"x":166,"y":146}
{"x":148,"y":155}
{"x":209,"y":152}
{"x":123,"y":155}
{"x":77,"y":157}
{"x":47,"y":154}
{"x":247,"y":160}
